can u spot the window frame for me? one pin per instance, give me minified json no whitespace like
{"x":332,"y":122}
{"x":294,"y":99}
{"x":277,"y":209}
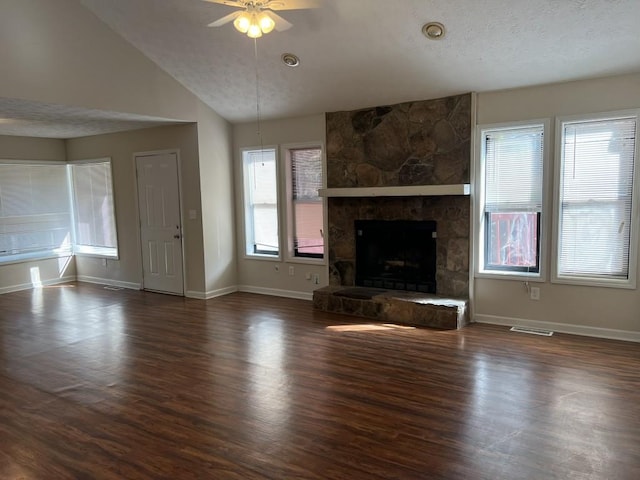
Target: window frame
{"x":290,"y":254}
{"x":73,"y":249}
{"x":480,"y":216}
{"x":112,"y":253}
{"x":42,"y":254}
{"x":586,"y":280}
{"x":247,"y":228}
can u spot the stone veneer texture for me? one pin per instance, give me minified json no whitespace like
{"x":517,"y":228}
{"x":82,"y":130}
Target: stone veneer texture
{"x":414,"y":143}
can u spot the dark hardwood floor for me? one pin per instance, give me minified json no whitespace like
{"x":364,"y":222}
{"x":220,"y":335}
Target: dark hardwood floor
{"x":100,"y":384}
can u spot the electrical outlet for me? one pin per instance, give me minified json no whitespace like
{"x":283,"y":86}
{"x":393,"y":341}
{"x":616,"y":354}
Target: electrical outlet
{"x":291,"y":270}
{"x":316,"y":279}
{"x":535,"y":293}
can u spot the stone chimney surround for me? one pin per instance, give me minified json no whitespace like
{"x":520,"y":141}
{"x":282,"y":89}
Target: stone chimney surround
{"x":408,"y":161}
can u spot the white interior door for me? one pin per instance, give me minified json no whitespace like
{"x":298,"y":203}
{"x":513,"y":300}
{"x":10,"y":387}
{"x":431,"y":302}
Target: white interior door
{"x":160,"y":225}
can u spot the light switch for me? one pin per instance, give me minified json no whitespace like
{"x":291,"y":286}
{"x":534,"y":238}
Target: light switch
{"x":193,"y":214}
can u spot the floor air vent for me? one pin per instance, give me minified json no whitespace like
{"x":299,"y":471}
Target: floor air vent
{"x":111,"y":287}
{"x":532,"y":331}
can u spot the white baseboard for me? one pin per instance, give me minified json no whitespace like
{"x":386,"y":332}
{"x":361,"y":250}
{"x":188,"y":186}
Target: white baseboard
{"x":31,"y":285}
{"x":211,"y":293}
{"x":108,"y":281}
{"x":195,"y":294}
{"x":276,"y":292}
{"x":609,"y":333}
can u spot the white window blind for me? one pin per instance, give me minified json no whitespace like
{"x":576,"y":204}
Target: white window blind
{"x":513,"y":162}
{"x":261,"y":202}
{"x":95,"y":226}
{"x":35,"y":215}
{"x":308,"y":210}
{"x":513,"y":172}
{"x":595,"y":198}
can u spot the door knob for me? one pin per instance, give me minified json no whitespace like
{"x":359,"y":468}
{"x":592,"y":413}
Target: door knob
{"x":176,"y":236}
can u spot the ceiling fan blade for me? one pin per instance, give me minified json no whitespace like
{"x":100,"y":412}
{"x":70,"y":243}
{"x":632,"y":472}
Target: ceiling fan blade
{"x":225,"y":19}
{"x":281,"y":23}
{"x":231,"y":3}
{"x":291,"y":4}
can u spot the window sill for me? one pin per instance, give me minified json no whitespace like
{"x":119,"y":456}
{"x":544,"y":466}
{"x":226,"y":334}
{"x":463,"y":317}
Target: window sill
{"x":34,"y":258}
{"x":96,"y":252}
{"x":517,"y":276}
{"x":257,"y":256}
{"x":595,"y":282}
{"x":307,"y":261}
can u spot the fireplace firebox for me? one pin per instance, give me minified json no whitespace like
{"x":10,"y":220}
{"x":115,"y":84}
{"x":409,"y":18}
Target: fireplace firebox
{"x":396,"y":254}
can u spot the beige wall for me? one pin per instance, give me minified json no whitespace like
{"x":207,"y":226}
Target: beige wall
{"x":28,"y":148}
{"x":260,"y":275}
{"x":217,"y":207}
{"x":59,"y":52}
{"x":121,"y":147}
{"x":580,"y":309}
{"x":17,"y":276}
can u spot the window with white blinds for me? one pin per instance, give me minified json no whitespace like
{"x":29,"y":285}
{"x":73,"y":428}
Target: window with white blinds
{"x":35,"y":217}
{"x":93,"y":206}
{"x":512,"y":161}
{"x":595,"y":199}
{"x":307,"y":207}
{"x":261,"y":202}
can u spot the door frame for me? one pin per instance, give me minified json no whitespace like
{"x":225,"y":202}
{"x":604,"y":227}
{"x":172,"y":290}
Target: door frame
{"x":150,"y":153}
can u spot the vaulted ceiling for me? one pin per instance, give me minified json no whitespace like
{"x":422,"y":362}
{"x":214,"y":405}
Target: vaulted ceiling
{"x":360,"y":53}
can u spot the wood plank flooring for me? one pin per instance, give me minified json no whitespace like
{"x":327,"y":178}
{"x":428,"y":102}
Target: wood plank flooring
{"x":99,"y":384}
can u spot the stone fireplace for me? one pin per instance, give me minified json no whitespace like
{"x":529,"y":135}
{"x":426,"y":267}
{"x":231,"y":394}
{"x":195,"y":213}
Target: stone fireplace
{"x":451,"y":214}
{"x":425,"y":143}
{"x":396,"y":255}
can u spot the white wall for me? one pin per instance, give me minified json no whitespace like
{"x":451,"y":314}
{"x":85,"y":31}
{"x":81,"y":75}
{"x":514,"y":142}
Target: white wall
{"x":18,"y":276}
{"x":607,"y":312}
{"x":258,"y":275}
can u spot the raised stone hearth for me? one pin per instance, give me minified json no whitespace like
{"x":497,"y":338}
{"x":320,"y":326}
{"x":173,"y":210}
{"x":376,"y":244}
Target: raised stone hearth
{"x":410,"y":308}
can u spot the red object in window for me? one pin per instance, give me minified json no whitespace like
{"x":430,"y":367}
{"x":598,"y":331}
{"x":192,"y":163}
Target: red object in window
{"x":513,"y":239}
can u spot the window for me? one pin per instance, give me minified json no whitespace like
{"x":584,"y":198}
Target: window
{"x":306,"y":206}
{"x":261,"y":202}
{"x":35,"y":220}
{"x":94,"y":215}
{"x":595,"y":231}
{"x":36,"y":215}
{"x":512,"y":160}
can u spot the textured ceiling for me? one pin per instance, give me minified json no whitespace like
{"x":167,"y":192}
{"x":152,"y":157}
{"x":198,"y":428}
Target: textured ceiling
{"x":360,"y":53}
{"x":37,"y":119}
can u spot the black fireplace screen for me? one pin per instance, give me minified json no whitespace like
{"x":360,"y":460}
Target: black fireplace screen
{"x":396,"y":254}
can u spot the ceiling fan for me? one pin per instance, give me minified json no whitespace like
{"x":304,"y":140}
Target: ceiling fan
{"x":256,"y":17}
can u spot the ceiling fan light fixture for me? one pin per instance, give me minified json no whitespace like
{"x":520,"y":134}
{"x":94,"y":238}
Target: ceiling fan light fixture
{"x":254,"y":30}
{"x":242,"y":22}
{"x":256,"y":17}
{"x":266,"y":22}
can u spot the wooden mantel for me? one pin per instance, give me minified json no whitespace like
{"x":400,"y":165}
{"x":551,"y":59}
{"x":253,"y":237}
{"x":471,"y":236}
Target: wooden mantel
{"x":404,"y":191}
